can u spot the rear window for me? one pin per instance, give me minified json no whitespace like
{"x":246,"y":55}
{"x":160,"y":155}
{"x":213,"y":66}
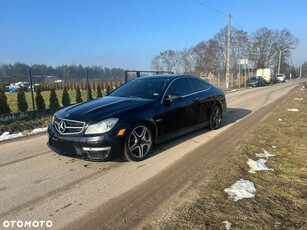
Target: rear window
{"x":199,"y":85}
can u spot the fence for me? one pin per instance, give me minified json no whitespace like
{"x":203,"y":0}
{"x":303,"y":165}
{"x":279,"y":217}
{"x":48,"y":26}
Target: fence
{"x":236,"y":81}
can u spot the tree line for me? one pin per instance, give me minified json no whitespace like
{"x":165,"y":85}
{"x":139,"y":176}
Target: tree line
{"x":263,"y":48}
{"x":12,"y":72}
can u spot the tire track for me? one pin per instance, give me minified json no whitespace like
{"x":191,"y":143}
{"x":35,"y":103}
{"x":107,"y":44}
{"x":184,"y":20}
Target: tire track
{"x":25,"y":158}
{"x":57,"y":192}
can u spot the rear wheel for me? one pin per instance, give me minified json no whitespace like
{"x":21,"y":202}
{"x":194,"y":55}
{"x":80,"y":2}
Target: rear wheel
{"x":138,"y":143}
{"x":215,"y":117}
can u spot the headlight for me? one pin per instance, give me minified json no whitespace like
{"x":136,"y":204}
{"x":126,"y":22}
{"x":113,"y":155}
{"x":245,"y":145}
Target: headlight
{"x":102,"y":127}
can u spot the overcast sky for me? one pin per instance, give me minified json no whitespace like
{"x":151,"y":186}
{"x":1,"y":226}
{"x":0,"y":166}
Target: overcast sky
{"x":129,"y":33}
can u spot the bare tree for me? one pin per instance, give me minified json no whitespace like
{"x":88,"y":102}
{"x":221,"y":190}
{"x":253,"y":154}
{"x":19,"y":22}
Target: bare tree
{"x":166,"y":61}
{"x":186,"y":61}
{"x":206,"y":54}
{"x":238,"y":49}
{"x":266,"y":45}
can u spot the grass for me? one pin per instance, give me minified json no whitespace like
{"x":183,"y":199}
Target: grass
{"x":12,"y":98}
{"x":281,"y":199}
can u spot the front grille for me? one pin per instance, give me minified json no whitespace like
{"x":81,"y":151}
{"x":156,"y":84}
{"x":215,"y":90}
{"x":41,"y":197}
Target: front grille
{"x":66,"y":127}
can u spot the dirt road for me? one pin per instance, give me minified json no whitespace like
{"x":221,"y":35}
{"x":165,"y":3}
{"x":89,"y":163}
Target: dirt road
{"x":37,"y":184}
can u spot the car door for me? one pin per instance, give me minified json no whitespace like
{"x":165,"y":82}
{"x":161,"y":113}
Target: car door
{"x":177,"y":114}
{"x":203,"y":98}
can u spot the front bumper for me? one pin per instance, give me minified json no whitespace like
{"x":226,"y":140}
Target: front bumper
{"x":252,"y":84}
{"x":92,"y":147}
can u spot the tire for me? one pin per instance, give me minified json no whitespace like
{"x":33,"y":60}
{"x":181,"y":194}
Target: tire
{"x":215,"y":117}
{"x":138,"y":143}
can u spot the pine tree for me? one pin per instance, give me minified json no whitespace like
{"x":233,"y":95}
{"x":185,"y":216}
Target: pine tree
{"x":99,"y":94}
{"x":39,"y":100}
{"x":103,"y":87}
{"x":53,"y":99}
{"x":21,"y":101}
{"x":65,"y":97}
{"x":89,"y":92}
{"x":94,"y":85}
{"x":108,"y":89}
{"x":4,"y":106}
{"x":78,"y":95}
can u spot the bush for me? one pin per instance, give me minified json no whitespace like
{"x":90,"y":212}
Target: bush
{"x":78,"y":95}
{"x":21,"y":101}
{"x":39,"y":100}
{"x":65,"y":97}
{"x":53,"y":99}
{"x":89,"y":92}
{"x":99,"y":93}
{"x":108,"y":89}
{"x":4,"y":106}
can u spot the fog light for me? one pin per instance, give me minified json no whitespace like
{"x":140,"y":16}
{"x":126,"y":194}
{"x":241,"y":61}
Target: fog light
{"x":96,"y":149}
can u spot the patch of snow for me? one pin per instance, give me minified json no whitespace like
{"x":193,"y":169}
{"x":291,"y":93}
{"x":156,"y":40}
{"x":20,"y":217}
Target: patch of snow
{"x":298,"y":99}
{"x":293,"y":110}
{"x":227,"y":224}
{"x":258,"y":165}
{"x":241,"y":189}
{"x":7,"y":136}
{"x":266,"y":154}
{"x":38,"y":130}
{"x":279,"y":119}
{"x":274,"y":146}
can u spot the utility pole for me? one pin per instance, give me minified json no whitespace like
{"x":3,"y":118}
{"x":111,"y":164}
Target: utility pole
{"x":300,"y":72}
{"x":279,"y":60}
{"x":227,"y":52}
{"x":31,"y":88}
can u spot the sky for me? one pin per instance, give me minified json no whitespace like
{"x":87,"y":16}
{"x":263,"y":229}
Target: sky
{"x":130,"y":33}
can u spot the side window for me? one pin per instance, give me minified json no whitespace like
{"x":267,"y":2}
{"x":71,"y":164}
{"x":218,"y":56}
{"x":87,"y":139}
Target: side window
{"x":181,"y":86}
{"x":199,"y":85}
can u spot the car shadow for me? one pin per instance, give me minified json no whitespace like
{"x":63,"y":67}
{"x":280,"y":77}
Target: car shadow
{"x":231,"y":116}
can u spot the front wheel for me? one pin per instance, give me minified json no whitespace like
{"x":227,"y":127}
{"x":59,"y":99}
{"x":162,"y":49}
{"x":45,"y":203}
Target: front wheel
{"x":215,"y":117}
{"x":138,"y":143}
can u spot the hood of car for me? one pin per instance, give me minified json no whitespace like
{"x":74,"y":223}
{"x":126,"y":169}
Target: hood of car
{"x":99,"y":109}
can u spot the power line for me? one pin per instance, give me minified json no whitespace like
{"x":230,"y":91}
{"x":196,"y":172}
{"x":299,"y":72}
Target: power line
{"x":235,"y":21}
{"x":217,"y":11}
{"x":211,"y":8}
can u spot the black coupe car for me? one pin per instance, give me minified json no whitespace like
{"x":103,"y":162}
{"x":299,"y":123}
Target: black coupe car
{"x":256,"y":81}
{"x":135,"y":116}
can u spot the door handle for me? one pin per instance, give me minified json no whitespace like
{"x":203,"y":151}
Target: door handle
{"x":196,"y":99}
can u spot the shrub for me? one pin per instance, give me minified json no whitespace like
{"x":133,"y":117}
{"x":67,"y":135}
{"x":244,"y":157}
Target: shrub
{"x":78,"y":95}
{"x":21,"y":101}
{"x":99,"y":93}
{"x":89,"y":92}
{"x":94,"y":85}
{"x":108,"y":89}
{"x":65,"y":97}
{"x":53,"y":99}
{"x":39,"y":100}
{"x":4,"y":106}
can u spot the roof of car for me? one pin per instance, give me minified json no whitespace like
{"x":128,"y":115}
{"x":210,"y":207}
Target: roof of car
{"x":167,"y":76}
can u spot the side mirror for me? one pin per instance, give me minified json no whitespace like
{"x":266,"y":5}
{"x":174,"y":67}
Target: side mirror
{"x":172,"y":97}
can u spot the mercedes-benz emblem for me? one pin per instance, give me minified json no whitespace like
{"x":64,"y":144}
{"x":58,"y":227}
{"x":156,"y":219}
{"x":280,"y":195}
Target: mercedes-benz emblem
{"x":62,"y":126}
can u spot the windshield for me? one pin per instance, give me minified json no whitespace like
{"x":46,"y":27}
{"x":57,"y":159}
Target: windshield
{"x":253,"y":78}
{"x":148,"y":88}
